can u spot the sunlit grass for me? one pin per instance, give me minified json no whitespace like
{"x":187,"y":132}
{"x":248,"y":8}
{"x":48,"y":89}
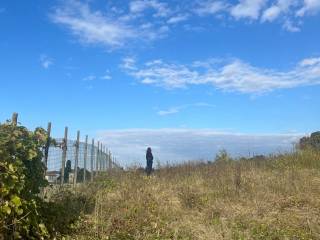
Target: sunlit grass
{"x":276,"y":198}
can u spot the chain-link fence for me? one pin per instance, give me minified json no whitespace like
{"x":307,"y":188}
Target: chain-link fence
{"x":72,"y":161}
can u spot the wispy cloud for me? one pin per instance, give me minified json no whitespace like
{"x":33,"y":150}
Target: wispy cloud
{"x":310,"y":62}
{"x":233,"y":75}
{"x":168,"y":111}
{"x":92,"y":26}
{"x":290,"y":27}
{"x":112,"y":29}
{"x":176,"y":145}
{"x":289,"y":13}
{"x":178,"y":18}
{"x":274,"y":11}
{"x":310,"y":7}
{"x":177,"y":109}
{"x":148,"y":20}
{"x":211,"y":7}
{"x":106,"y":77}
{"x":161,"y":9}
{"x":46,"y":61}
{"x":248,"y":9}
{"x":89,"y":78}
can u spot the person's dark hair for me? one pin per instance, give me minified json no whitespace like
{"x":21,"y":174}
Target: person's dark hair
{"x":149,"y":150}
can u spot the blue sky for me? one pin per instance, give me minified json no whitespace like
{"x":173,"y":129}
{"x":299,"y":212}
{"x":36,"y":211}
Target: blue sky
{"x":249,"y":67}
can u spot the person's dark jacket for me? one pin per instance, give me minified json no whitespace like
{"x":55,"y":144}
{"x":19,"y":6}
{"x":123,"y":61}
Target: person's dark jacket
{"x":149,"y":156}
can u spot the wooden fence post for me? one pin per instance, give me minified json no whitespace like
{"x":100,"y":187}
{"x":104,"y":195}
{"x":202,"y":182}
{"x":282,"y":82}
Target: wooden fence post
{"x":76,"y":159}
{"x":105,"y":159}
{"x":64,"y":147}
{"x":97,"y":158}
{"x":92,"y":158}
{"x":14,"y":120}
{"x":85,"y":159}
{"x":101,"y":157}
{"x":46,"y":150}
{"x":110,"y":161}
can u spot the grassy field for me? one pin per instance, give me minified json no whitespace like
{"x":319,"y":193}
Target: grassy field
{"x":275,"y":198}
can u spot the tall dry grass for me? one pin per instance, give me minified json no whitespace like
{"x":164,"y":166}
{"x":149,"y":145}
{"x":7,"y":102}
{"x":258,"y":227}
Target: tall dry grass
{"x":275,"y":198}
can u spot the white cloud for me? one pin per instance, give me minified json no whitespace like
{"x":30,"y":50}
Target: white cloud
{"x":92,"y":26}
{"x":309,"y":7}
{"x":177,"y":19}
{"x":106,"y":77}
{"x":111,"y":29}
{"x":177,"y":109}
{"x":271,"y":14}
{"x":89,"y":78}
{"x":128,"y":63}
{"x":285,"y":11}
{"x":147,"y":20}
{"x":139,"y":6}
{"x":45,"y":61}
{"x":248,"y":9}
{"x":274,"y":11}
{"x":309,"y":62}
{"x":168,"y":111}
{"x":211,"y":7}
{"x":234,"y":75}
{"x":290,"y":27}
{"x":176,"y":145}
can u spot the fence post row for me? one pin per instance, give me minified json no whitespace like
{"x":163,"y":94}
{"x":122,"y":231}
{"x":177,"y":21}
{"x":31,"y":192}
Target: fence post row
{"x":100,"y":157}
{"x":76,"y":159}
{"x":85,"y":159}
{"x":64,"y":153}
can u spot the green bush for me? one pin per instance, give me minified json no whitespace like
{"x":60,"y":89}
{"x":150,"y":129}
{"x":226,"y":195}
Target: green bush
{"x":23,"y":214}
{"x":21,"y":178}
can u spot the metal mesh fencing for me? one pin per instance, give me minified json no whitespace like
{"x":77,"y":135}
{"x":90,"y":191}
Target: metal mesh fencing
{"x":76,"y":162}
{"x":71,"y":162}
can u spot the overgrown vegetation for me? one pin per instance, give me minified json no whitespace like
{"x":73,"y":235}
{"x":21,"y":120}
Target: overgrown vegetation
{"x":23,"y":213}
{"x":275,"y":197}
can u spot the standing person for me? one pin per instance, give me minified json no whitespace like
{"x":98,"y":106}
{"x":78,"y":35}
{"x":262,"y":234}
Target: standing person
{"x":149,"y":158}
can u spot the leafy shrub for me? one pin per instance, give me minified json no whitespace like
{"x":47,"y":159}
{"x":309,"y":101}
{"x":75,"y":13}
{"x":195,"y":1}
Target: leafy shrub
{"x":23,"y":214}
{"x":21,"y":178}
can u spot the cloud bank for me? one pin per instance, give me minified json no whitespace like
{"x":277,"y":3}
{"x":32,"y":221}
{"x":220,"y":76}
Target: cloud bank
{"x":178,"y":145}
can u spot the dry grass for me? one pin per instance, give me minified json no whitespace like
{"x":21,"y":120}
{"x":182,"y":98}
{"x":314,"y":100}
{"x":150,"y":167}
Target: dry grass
{"x":277,"y":198}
